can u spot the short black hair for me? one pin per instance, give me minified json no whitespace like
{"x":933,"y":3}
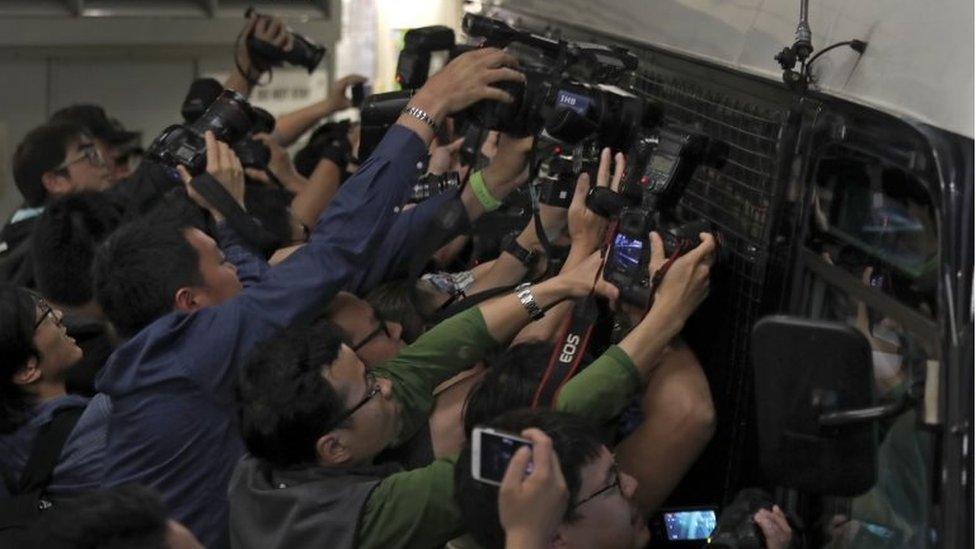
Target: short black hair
{"x":42,"y":150}
{"x":64,"y":241}
{"x":510,"y":382}
{"x":575,"y":442}
{"x":286,"y":404}
{"x":120,"y":518}
{"x":18,"y":310}
{"x":138,"y":269}
{"x":398,"y":301}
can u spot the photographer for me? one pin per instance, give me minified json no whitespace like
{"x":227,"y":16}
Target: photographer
{"x":179,"y":300}
{"x":314,"y":419}
{"x":53,"y":160}
{"x":37,"y":358}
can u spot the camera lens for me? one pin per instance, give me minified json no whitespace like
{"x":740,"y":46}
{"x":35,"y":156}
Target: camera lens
{"x":230,"y":118}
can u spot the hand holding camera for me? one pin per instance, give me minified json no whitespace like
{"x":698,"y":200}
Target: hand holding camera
{"x":685,"y":284}
{"x":464,"y":81}
{"x":266,"y":28}
{"x":224,"y":166}
{"x":338,"y":97}
{"x":587,"y":229}
{"x":279,"y":165}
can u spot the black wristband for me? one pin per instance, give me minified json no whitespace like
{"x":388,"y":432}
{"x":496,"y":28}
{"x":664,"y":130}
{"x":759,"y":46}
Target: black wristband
{"x":525,"y":257}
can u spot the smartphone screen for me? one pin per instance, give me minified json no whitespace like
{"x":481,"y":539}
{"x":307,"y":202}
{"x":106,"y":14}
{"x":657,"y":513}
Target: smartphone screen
{"x":627,"y":252}
{"x":494,"y":451}
{"x":689,"y":525}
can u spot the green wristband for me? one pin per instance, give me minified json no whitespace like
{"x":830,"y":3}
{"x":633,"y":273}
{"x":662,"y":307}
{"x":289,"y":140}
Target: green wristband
{"x":477,"y":182}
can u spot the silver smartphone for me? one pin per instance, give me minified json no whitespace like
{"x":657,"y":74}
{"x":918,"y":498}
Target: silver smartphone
{"x":491,"y":451}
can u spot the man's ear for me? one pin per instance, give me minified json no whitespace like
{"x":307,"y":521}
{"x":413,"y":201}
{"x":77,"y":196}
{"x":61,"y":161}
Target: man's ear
{"x":186,"y":300}
{"x":330,"y":449}
{"x":30,"y":373}
{"x":56,"y":184}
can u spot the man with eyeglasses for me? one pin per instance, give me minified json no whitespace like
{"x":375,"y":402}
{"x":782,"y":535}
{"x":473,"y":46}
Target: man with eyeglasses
{"x":37,"y":356}
{"x":601,"y":513}
{"x":112,"y":141}
{"x":53,"y":160}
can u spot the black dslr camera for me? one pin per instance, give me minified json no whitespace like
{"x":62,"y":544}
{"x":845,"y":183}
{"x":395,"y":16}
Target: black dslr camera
{"x":231,"y":119}
{"x":735,"y":528}
{"x":658,"y":169}
{"x":304,"y":52}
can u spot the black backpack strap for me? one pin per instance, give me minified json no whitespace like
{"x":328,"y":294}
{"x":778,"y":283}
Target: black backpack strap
{"x":47,"y":449}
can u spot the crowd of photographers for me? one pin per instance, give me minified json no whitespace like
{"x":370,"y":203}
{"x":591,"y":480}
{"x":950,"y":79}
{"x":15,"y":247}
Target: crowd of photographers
{"x":227,"y":345}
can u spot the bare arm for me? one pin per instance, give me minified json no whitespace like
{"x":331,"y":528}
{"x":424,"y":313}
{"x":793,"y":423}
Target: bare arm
{"x":587,"y":231}
{"x":679,"y":420}
{"x":504,"y":316}
{"x":291,"y":126}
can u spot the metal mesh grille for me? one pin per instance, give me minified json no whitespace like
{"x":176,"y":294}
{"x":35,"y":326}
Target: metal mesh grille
{"x":738,"y":200}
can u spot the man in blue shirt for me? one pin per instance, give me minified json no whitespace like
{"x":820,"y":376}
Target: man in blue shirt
{"x":176,"y":295}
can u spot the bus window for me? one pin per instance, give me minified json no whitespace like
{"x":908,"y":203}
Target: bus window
{"x":877,"y":222}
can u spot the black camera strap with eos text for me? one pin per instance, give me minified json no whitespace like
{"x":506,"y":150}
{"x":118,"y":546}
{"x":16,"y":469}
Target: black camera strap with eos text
{"x":567,"y":355}
{"x":243,"y":224}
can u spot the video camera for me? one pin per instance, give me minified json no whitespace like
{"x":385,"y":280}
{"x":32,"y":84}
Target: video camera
{"x":659,"y":167}
{"x":573,"y":96}
{"x":231,"y":119}
{"x":304,"y":52}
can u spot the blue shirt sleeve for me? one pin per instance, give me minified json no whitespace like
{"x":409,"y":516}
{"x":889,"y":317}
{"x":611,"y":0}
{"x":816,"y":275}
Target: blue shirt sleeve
{"x":405,"y":239}
{"x":339,"y":250}
{"x":250,"y":268}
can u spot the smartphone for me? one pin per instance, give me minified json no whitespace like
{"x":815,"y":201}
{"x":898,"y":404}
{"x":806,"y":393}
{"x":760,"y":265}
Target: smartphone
{"x":684,"y":525}
{"x":491,"y":451}
{"x":358,"y":93}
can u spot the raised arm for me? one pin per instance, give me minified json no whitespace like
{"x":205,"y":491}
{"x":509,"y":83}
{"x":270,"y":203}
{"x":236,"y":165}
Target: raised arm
{"x":291,"y":126}
{"x":267,"y":28}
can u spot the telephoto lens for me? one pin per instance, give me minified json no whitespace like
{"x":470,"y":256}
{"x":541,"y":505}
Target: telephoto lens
{"x":230,"y":118}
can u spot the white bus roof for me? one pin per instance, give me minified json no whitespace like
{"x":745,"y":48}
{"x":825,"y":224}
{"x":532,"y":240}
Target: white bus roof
{"x":918,"y":63}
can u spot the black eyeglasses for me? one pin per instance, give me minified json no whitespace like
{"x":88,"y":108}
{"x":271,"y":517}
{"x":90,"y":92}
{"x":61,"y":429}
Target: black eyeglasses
{"x":46,"y":311}
{"x":381,"y":329}
{"x":615,"y":471}
{"x":88,"y":152}
{"x":374,"y":389}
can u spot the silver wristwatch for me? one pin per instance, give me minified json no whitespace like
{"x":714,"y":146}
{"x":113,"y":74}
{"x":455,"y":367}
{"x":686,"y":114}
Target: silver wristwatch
{"x":421,"y":115}
{"x":524,"y":293}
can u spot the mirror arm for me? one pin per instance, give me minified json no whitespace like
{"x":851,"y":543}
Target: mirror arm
{"x":864,"y":415}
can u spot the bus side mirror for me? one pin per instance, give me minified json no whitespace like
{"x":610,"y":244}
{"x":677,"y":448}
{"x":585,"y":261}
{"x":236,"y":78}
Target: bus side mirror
{"x":815,"y":405}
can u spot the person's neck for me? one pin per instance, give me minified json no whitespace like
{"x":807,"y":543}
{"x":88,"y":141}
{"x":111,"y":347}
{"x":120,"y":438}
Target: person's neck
{"x":49,"y":390}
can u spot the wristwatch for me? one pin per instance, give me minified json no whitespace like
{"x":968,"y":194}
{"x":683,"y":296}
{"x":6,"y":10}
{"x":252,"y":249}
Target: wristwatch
{"x":525,"y":257}
{"x":524,"y":293}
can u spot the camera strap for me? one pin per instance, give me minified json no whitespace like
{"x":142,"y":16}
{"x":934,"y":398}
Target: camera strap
{"x":243,"y":224}
{"x":567,"y":355}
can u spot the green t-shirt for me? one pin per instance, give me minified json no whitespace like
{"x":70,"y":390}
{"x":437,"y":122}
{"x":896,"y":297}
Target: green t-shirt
{"x":415,"y":509}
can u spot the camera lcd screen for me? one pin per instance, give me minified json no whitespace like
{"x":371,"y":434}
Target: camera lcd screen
{"x":627,"y":252}
{"x":661,"y":163}
{"x":689,"y":525}
{"x":496,"y":451}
